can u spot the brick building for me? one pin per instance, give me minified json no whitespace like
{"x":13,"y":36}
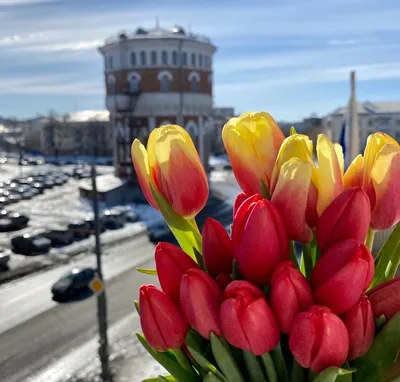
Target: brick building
{"x":154,"y":77}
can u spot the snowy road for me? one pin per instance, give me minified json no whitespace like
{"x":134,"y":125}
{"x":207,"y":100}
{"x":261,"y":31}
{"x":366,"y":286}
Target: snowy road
{"x":36,"y":331}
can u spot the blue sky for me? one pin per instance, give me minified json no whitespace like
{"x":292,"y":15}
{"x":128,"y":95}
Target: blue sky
{"x":288,"y":57}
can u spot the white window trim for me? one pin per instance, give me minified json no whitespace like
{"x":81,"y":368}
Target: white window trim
{"x":164,"y":73}
{"x":134,"y":75}
{"x":195,"y":75}
{"x":111,"y":79}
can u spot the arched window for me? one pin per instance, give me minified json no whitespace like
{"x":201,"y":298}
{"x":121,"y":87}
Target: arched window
{"x":200,"y":60}
{"x":143,"y":58}
{"x":194,"y":79}
{"x":175,"y":58}
{"x":206,"y":62}
{"x":184,"y":59}
{"x":194,"y":60}
{"x":134,"y":82}
{"x":165,"y":79}
{"x":153,"y":57}
{"x":133,"y":59}
{"x":111,"y":85}
{"x":191,"y":128}
{"x":109,"y":62}
{"x":164,"y":57}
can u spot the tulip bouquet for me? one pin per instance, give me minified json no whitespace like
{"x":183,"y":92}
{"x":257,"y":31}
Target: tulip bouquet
{"x":292,"y":292}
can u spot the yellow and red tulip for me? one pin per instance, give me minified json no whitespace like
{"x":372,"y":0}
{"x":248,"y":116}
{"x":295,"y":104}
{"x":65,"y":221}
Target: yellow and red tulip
{"x":252,"y":142}
{"x":171,"y":157}
{"x":378,"y":172}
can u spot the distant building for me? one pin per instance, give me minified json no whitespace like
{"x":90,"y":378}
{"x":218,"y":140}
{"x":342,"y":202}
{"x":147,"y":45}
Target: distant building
{"x":155,"y":77}
{"x":220,"y":116}
{"x":372,"y":117}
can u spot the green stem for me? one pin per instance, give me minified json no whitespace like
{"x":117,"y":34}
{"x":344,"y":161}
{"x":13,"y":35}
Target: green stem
{"x":182,"y":359}
{"x":269,"y":367}
{"x":293,"y":255}
{"x":279,"y":362}
{"x":297,"y":372}
{"x":369,"y":242}
{"x":308,"y":260}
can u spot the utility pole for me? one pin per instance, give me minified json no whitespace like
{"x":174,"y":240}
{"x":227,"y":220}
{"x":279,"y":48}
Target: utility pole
{"x":101,"y":297}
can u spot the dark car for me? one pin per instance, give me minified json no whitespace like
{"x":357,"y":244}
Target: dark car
{"x":25,"y":181}
{"x":38,"y":186}
{"x":12,"y":221}
{"x":80,"y":229}
{"x":113,"y":219}
{"x":4,"y":200}
{"x":89,"y":219}
{"x":59,"y":236}
{"x":158,"y":231}
{"x":128,"y":213}
{"x":48,"y":183}
{"x":74,"y":285}
{"x":23,"y":162}
{"x":14,"y":197}
{"x":58,"y":181}
{"x":30,"y":244}
{"x":5,"y":255}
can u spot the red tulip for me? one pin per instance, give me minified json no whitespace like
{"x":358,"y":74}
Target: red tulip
{"x":385,"y":298}
{"x":342,"y":274}
{"x":162,"y":322}
{"x":360,"y":325}
{"x":259,"y":239}
{"x":200,"y":302}
{"x":319,"y":339}
{"x":247,"y":321}
{"x":217,"y":248}
{"x":347,"y":217}
{"x":171,"y":265}
{"x":290,"y":294}
{"x":238,"y":202}
{"x":223,"y":280}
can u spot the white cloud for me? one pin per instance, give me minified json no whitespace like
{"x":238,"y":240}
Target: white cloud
{"x":23,"y":2}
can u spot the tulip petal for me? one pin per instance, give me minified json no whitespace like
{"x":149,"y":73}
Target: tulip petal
{"x":290,"y":197}
{"x":141,"y":163}
{"x":176,"y":160}
{"x":330,"y":173}
{"x":375,"y":143}
{"x":385,"y":176}
{"x":339,"y":154}
{"x":354,"y":174}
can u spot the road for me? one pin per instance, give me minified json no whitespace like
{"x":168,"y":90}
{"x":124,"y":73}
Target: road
{"x":35,"y":330}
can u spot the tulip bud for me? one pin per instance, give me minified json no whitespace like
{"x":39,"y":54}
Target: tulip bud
{"x":256,"y":220}
{"x":223,"y":280}
{"x":347,"y":217}
{"x":252,"y":142}
{"x":171,"y":153}
{"x":171,"y":265}
{"x":238,"y":202}
{"x":217,"y":248}
{"x":385,"y":298}
{"x":162,"y":322}
{"x":342,"y":274}
{"x":290,"y":294}
{"x":319,"y":339}
{"x":360,"y":325}
{"x":246,"y":319}
{"x":200,"y":299}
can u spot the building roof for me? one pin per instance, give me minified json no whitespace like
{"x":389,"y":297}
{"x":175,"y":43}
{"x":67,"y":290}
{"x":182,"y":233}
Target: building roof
{"x":371,"y":108}
{"x":157,"y":32}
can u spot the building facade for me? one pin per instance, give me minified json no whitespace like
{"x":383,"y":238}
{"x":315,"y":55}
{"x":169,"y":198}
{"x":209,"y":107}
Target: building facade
{"x":155,"y":77}
{"x":372,"y":117}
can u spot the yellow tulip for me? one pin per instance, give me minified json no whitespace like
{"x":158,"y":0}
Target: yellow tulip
{"x":252,"y":142}
{"x":378,"y":173}
{"x":171,"y":166}
{"x":330,"y":171}
{"x":294,"y":187}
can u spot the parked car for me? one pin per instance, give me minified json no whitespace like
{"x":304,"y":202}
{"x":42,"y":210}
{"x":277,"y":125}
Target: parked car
{"x":59,"y":236}
{"x":22,"y":162}
{"x":113,"y":219}
{"x":48,"y":183}
{"x":128,"y":213}
{"x":5,"y":256}
{"x":89,"y":219}
{"x":74,"y":285}
{"x":3,"y":160}
{"x":25,"y":181}
{"x":14,"y":198}
{"x":80,"y":229}
{"x":58,"y":181}
{"x":158,"y":231}
{"x":82,"y":173}
{"x":38,"y":186}
{"x":30,"y":244}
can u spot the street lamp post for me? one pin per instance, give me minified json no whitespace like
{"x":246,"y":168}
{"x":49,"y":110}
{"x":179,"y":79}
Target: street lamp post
{"x":101,"y":297}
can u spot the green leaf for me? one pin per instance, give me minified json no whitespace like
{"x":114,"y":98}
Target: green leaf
{"x":178,"y":372}
{"x":308,"y":260}
{"x":293,"y":253}
{"x":332,"y":374}
{"x":199,"y":259}
{"x":381,"y":355}
{"x":293,"y":131}
{"x":280,"y":365}
{"x":264,"y":191}
{"x":254,"y":370}
{"x":388,"y":258}
{"x":146,"y":271}
{"x":196,"y":341}
{"x":136,"y":303}
{"x":269,"y":367}
{"x":225,"y":360}
{"x":161,"y":378}
{"x":235,"y":271}
{"x":206,"y":365}
{"x":297,"y":372}
{"x":185,"y":231}
{"x":211,"y":377}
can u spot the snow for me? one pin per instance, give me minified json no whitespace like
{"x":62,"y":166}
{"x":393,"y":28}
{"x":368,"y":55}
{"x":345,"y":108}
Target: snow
{"x":105,"y":183}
